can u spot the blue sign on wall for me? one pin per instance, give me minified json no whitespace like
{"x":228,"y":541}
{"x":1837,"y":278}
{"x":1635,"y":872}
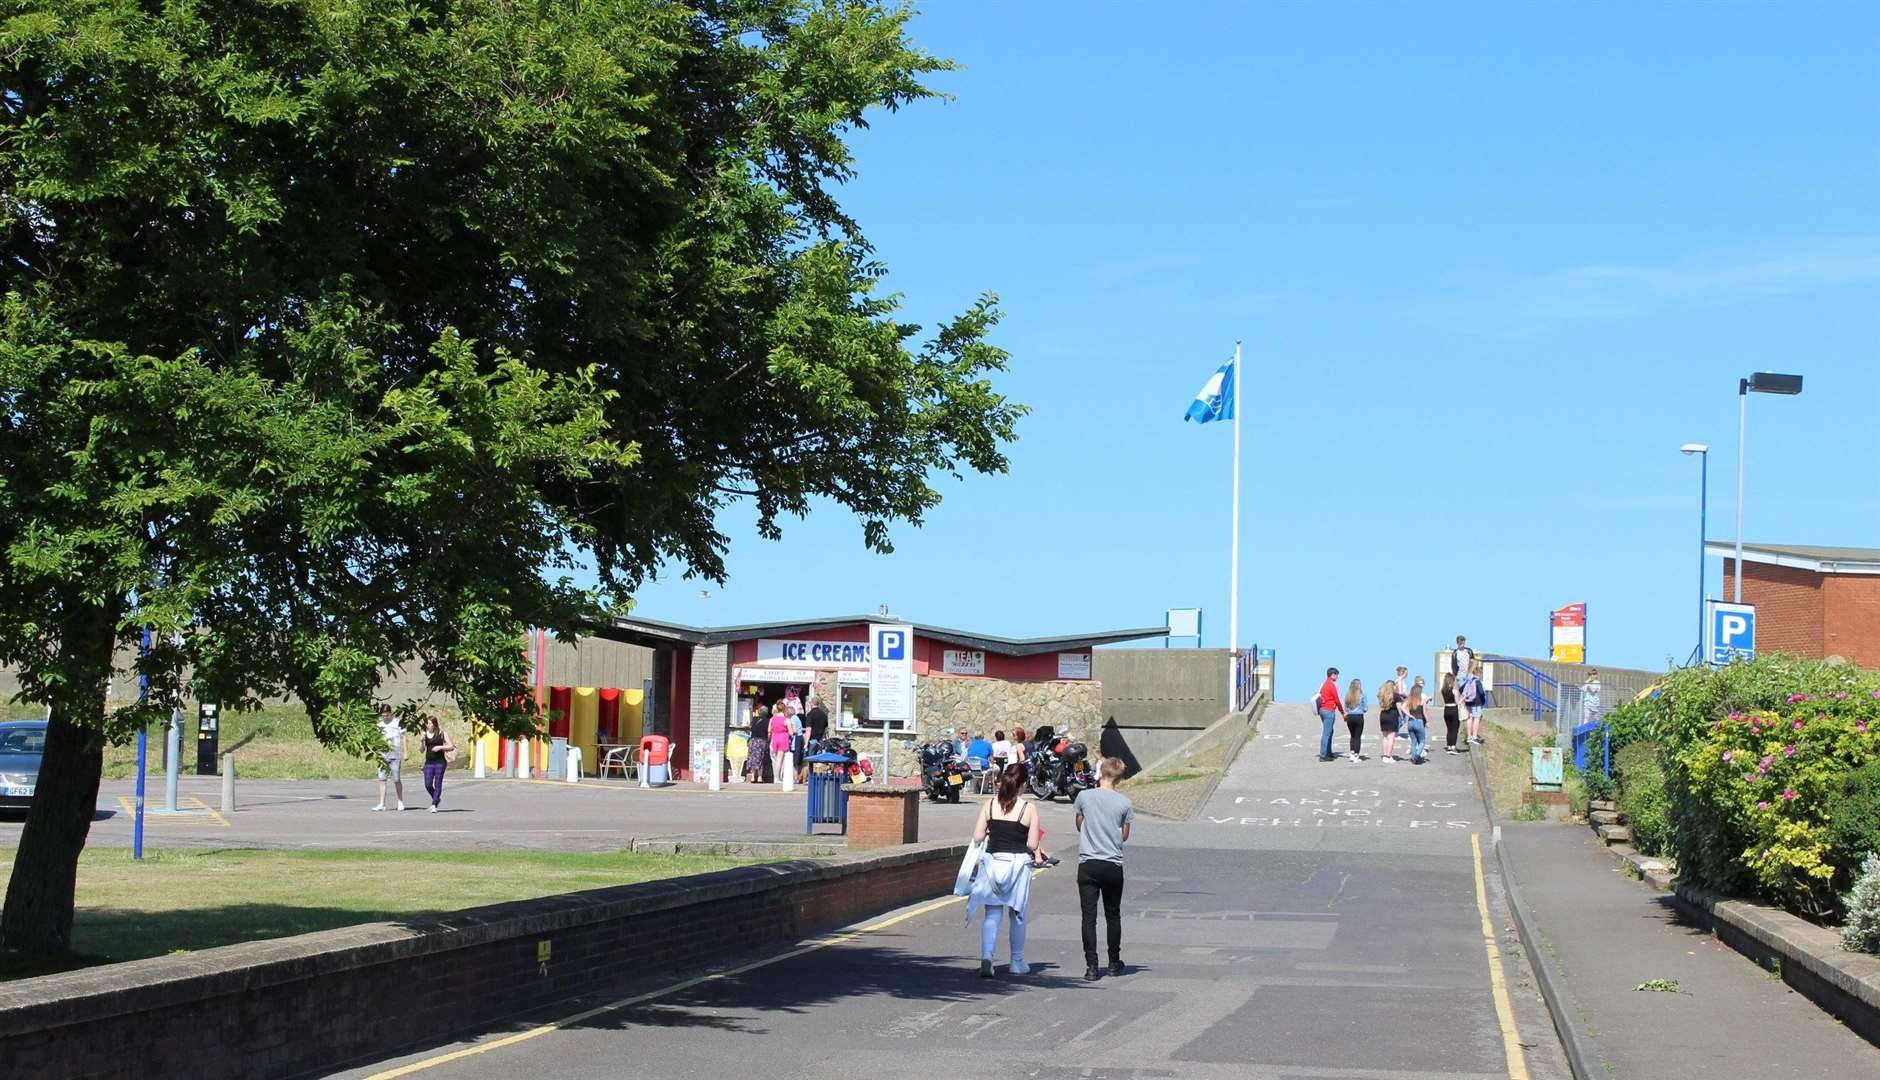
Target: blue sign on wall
{"x":1730,"y":632}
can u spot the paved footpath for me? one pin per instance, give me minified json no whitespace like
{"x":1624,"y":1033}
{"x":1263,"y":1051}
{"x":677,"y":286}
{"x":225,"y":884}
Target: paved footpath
{"x":1611,"y":933}
{"x":1317,"y":920}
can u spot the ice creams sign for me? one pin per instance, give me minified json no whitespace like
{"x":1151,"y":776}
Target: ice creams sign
{"x":819,"y":654}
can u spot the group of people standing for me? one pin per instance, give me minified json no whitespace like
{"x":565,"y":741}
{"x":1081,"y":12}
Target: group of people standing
{"x":1402,"y":710}
{"x":786,"y":727}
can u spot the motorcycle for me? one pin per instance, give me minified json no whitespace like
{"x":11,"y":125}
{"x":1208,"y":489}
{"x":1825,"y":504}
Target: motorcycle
{"x":835,"y":744}
{"x":1057,"y":766}
{"x":941,"y":774}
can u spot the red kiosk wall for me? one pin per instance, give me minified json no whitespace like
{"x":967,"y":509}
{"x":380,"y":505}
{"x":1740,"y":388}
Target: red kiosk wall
{"x":608,"y":721}
{"x":680,"y":729}
{"x":560,"y":706}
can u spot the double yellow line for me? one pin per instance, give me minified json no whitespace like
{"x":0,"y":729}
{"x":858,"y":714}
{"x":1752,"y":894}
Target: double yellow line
{"x":130,"y":807}
{"x":1504,"y":1008}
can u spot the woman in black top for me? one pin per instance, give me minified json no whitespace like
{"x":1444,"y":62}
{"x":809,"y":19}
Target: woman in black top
{"x":1009,"y":829}
{"x":1452,"y":716}
{"x":438,"y":750}
{"x":1387,"y":718}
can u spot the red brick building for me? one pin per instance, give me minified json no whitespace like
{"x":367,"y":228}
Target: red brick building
{"x":1810,"y":601}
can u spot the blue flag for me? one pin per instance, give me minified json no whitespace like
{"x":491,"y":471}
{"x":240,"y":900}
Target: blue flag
{"x":1216,"y":399}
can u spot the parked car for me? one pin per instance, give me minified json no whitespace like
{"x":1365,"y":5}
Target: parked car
{"x":22,"y":744}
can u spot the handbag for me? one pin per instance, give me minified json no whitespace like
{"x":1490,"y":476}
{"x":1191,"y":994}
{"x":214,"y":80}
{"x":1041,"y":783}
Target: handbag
{"x":963,"y":881}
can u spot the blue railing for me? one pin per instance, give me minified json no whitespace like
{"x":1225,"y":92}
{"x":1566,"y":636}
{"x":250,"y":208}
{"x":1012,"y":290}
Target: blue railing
{"x":1541,"y":691}
{"x":1246,"y":677}
{"x":1582,"y":740}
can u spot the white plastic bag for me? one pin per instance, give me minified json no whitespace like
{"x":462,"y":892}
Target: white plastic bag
{"x":963,"y":882}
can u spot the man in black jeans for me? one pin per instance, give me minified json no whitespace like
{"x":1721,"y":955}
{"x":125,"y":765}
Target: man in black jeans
{"x":1104,"y":816}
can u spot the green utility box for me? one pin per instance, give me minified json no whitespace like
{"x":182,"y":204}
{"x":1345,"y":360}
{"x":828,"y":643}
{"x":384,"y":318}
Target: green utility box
{"x":1548,"y":763}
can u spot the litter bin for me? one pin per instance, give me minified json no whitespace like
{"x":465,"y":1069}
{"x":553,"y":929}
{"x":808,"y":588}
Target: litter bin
{"x":655,"y":750}
{"x":557,"y":758}
{"x":828,"y":802}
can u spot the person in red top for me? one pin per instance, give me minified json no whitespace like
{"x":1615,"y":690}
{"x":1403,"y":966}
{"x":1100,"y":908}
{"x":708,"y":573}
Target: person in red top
{"x":1330,"y":704}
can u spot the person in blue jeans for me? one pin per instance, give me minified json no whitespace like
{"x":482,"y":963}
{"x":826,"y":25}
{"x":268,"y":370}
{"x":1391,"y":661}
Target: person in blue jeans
{"x":1417,"y":725}
{"x":1331,"y":705}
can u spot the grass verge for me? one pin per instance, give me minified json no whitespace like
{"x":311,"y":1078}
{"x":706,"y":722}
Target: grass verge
{"x":181,"y":900}
{"x":1511,"y":765}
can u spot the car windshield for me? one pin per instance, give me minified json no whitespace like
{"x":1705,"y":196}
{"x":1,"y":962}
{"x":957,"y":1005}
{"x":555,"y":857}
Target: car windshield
{"x":24,"y":739}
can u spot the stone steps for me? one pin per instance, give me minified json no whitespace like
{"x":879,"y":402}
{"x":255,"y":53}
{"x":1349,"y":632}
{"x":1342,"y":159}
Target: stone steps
{"x":1605,"y":817}
{"x":1615,"y":834}
{"x":1604,"y":804}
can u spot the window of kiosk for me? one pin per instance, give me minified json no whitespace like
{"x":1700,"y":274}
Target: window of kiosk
{"x":766,"y":694}
{"x":855,"y":709}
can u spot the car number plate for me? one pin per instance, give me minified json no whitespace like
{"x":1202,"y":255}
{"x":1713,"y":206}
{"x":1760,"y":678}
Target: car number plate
{"x":956,"y":780}
{"x":17,"y":790}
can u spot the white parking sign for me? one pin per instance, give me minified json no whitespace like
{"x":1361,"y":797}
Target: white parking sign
{"x":1730,"y":632}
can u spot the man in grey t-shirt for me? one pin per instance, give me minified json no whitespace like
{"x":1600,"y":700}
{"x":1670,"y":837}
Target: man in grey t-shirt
{"x":1103,"y":819}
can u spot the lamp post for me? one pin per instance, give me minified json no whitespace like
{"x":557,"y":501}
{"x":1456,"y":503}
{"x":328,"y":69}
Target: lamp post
{"x":1703,"y":508}
{"x":1762,"y":382}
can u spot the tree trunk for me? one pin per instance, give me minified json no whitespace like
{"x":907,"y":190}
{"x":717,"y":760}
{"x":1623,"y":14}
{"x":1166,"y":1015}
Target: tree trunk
{"x":37,"y":917}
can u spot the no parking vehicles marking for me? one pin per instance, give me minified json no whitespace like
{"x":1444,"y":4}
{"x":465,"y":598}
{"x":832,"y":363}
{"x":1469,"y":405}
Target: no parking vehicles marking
{"x":1349,"y":816}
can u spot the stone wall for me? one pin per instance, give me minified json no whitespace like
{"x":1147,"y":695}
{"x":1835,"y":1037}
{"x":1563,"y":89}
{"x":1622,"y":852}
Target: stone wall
{"x":982,"y":706}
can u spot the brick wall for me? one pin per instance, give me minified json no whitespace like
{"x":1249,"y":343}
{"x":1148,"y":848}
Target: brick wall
{"x":1851,"y":617}
{"x":710,"y":703}
{"x":881,"y":816}
{"x":313,"y":1002}
{"x":1788,"y":606}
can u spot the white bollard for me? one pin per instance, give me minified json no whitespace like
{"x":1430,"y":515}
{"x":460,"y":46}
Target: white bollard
{"x":711,"y":766}
{"x":228,"y":782}
{"x":574,"y":764}
{"x":477,"y":768}
{"x":522,"y":759}
{"x":787,"y":773}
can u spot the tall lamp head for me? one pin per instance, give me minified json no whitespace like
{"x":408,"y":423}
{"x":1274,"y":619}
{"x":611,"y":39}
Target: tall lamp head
{"x":1694,"y":448}
{"x":1769,"y":382}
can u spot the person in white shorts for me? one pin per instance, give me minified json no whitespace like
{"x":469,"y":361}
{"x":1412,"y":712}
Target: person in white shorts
{"x":389,"y":758}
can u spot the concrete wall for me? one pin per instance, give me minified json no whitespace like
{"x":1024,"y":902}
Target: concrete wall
{"x":382,"y":988}
{"x":1153,"y":700}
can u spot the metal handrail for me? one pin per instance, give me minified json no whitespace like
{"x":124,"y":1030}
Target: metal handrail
{"x":1539,"y":702}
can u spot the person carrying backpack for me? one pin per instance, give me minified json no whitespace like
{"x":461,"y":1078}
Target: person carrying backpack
{"x":1474,"y":698}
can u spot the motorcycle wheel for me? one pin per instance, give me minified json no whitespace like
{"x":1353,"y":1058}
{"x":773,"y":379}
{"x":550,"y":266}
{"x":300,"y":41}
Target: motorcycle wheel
{"x":1041,"y":788}
{"x":953,"y":795}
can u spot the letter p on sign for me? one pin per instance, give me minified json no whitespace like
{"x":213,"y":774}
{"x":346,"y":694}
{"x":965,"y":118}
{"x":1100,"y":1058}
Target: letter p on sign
{"x":1732,"y":632}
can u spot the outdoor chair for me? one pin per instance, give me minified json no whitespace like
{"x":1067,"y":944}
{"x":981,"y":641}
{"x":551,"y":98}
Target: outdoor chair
{"x":621,"y":758}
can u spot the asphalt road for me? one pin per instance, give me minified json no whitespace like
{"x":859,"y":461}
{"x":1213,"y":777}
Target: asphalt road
{"x":1317,"y":920}
{"x":476,"y":815}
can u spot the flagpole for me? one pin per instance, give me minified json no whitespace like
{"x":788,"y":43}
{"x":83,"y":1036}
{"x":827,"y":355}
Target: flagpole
{"x":1233,"y":585}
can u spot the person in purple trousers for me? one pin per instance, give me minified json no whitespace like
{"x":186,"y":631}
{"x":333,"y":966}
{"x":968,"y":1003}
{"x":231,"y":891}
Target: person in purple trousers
{"x":438,"y":750}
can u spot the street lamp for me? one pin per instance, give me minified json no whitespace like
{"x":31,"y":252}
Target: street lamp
{"x":1762,"y":382}
{"x":1703,"y":500}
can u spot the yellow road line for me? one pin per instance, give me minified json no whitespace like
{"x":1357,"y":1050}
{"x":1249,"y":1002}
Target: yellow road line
{"x":219,"y":819}
{"x":1504,"y":1009}
{"x":686,"y":984}
{"x":130,"y":807}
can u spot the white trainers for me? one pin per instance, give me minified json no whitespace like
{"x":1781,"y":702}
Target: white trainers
{"x":1019,"y":967}
{"x":433,"y":808}
{"x":378,"y":808}
{"x":1387,"y":759}
{"x":401,"y":805}
{"x":1353,"y":758}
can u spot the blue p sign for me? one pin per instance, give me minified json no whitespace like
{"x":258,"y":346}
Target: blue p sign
{"x":1732,"y":632}
{"x":893,"y":645}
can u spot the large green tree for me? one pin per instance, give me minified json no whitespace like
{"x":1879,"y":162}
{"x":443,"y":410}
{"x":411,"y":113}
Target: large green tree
{"x":336,"y":331}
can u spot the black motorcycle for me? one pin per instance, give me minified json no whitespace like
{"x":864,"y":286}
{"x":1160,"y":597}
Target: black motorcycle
{"x":1054,"y":766}
{"x":940,"y":772}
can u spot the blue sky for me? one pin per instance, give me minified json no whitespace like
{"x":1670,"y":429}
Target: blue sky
{"x":1491,"y":265}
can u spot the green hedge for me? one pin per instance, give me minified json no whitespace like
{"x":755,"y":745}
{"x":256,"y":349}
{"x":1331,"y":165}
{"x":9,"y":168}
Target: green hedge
{"x":1755,"y":755}
{"x":1642,"y":796}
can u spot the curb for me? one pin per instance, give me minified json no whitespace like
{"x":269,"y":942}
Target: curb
{"x":1581,"y":1060}
{"x":1808,"y":958}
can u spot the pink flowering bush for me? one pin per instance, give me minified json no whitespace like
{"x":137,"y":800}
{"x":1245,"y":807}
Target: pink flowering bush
{"x":1767,"y":829}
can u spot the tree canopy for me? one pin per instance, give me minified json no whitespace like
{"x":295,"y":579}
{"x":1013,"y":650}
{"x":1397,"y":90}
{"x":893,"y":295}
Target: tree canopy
{"x":335,"y":332}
